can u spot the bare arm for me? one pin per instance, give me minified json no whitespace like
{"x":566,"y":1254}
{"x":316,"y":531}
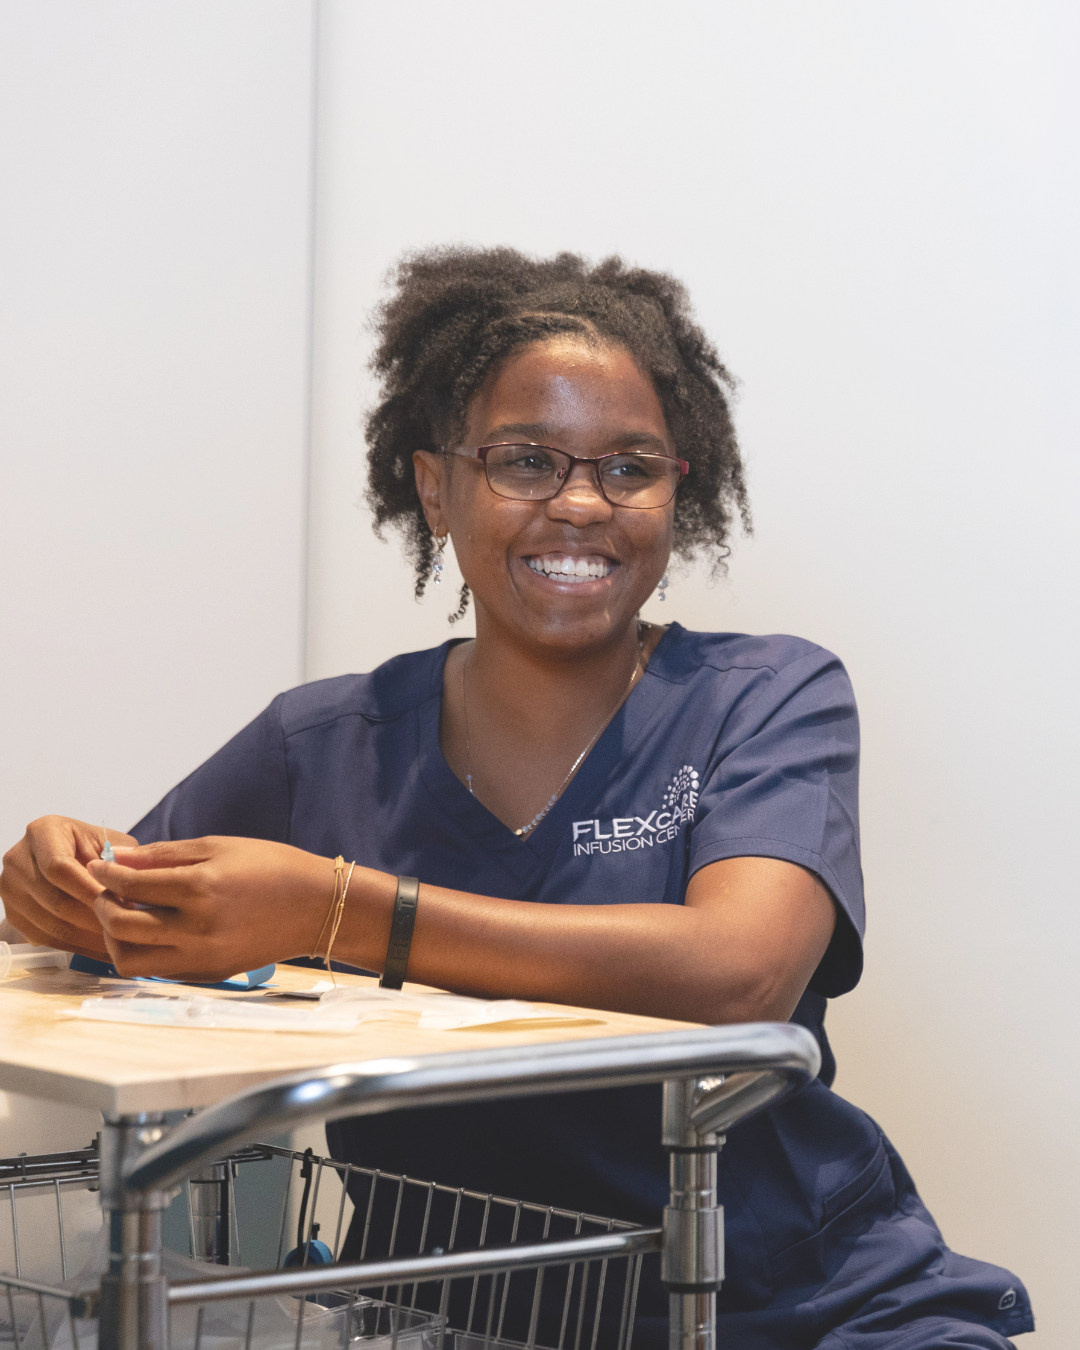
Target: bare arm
{"x":742,"y":948}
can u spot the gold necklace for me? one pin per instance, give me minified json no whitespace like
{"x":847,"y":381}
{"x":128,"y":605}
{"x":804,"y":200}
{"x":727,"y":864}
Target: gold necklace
{"x":532,"y":824}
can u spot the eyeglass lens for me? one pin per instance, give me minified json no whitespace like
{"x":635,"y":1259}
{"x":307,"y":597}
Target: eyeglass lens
{"x":536,"y":473}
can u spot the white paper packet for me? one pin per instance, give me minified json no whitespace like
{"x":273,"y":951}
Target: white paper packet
{"x":338,"y":1011}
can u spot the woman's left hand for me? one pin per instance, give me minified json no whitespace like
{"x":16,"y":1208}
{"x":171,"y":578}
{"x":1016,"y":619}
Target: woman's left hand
{"x":206,"y":909}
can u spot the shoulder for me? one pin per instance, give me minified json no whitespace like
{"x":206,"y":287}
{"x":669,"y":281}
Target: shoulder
{"x":749,"y":680}
{"x":381,"y":695}
{"x":684,"y":653}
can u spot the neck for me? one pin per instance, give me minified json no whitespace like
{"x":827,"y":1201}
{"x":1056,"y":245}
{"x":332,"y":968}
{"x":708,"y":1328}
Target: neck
{"x":518,"y":719}
{"x":543,"y":692}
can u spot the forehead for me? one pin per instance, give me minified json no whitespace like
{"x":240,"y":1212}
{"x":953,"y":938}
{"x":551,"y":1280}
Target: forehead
{"x":570,"y":387}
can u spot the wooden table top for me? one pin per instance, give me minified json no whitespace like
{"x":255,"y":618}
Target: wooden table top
{"x":124,"y":1068}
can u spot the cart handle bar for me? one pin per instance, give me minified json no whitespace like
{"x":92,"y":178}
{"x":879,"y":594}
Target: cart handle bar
{"x":420,"y":1269}
{"x":772,"y":1059}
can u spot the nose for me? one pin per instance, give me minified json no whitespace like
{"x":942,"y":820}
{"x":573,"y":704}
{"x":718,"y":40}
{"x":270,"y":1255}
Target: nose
{"x":580,"y":500}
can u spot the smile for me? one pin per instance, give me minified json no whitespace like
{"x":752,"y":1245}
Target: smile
{"x":560,"y":567}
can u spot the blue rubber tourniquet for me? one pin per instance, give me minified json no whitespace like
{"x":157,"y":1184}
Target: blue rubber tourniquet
{"x":250,"y":979}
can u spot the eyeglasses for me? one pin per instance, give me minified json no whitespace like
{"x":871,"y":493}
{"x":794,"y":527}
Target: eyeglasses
{"x":536,"y":473}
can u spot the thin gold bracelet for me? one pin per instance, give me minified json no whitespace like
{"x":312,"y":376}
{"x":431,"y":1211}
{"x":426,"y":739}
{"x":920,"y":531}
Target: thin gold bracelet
{"x":339,"y":872}
{"x":337,"y":921}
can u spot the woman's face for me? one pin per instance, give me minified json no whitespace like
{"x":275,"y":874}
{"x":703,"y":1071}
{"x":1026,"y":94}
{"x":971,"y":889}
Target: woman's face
{"x":588,"y":400}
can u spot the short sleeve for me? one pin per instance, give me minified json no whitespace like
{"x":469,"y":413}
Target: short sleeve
{"x":242,"y":790}
{"x":785,"y":785}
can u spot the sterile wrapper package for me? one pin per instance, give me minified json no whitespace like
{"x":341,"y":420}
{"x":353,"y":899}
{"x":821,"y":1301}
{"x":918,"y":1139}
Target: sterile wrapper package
{"x":337,"y":1011}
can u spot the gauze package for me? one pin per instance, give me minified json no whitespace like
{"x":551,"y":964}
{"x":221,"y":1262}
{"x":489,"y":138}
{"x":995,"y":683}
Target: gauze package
{"x":338,"y":1011}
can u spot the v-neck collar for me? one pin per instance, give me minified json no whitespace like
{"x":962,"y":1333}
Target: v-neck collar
{"x":524,"y":859}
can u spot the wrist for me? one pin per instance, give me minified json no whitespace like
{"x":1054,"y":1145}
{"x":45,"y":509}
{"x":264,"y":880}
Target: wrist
{"x":304,"y":895}
{"x":365,"y":922}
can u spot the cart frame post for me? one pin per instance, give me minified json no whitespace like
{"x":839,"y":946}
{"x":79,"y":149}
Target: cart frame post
{"x":692,"y":1257}
{"x":134,"y":1307}
{"x":211,"y":1219}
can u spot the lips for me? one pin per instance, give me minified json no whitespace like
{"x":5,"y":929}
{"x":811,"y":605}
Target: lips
{"x":563,"y":567}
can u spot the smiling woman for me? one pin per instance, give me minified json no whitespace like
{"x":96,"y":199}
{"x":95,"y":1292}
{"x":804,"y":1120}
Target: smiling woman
{"x":599,"y":811}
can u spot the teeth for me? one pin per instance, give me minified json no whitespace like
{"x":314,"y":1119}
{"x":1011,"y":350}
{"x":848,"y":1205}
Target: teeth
{"x":570,"y":569}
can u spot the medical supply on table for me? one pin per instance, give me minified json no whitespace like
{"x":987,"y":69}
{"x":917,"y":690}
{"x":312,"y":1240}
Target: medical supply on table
{"x":248,"y":979}
{"x":338,"y":1011}
{"x":25,"y":956}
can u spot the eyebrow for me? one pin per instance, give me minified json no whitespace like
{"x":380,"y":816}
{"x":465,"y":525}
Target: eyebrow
{"x":541,"y":433}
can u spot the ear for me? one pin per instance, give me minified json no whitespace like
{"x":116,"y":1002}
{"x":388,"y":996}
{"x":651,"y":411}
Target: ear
{"x":430,"y":471}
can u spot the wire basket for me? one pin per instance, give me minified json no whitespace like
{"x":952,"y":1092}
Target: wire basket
{"x":36,"y":1187}
{"x":313,"y":1212}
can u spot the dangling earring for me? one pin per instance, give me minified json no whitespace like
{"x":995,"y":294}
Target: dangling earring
{"x":662,"y":589}
{"x":438,"y":567}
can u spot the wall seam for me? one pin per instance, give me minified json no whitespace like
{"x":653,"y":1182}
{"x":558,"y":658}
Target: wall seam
{"x":307,"y":448}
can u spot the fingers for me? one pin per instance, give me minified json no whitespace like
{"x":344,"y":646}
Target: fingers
{"x":66,"y":939}
{"x":139,"y":927}
{"x":48,"y":893}
{"x":49,"y":910}
{"x":167,"y":853}
{"x":61,"y":848}
{"x":161,"y":887}
{"x":167,"y":875}
{"x":89,"y":840}
{"x":165,"y":962}
{"x":54,"y":898}
{"x":32,"y":901}
{"x":151,"y":942}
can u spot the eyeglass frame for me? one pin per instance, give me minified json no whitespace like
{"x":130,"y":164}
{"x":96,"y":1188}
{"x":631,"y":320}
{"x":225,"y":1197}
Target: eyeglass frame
{"x":481,"y":453}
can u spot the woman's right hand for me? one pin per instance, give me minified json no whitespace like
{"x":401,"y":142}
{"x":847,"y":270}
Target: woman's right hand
{"x":47,"y":892}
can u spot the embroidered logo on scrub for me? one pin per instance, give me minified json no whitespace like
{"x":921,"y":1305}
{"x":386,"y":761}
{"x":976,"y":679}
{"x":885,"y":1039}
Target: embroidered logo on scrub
{"x":626,"y":834}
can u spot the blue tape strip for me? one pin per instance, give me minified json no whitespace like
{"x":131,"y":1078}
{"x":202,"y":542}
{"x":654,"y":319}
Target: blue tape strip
{"x":250,"y":979}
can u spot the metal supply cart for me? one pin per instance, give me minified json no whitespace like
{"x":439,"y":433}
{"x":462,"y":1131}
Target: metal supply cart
{"x":436,"y":1268}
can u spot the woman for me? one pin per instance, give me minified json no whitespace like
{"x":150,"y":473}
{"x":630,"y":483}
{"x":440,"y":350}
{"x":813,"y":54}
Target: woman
{"x":600,"y":812}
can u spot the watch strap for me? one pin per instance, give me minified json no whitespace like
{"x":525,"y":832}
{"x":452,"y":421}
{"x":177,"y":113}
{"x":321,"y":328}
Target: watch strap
{"x":401,"y":931}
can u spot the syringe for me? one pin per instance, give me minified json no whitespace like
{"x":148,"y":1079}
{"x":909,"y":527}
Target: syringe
{"x":25,"y":956}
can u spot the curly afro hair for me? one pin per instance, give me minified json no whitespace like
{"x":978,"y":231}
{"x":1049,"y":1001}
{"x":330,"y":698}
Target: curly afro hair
{"x":457,"y":313}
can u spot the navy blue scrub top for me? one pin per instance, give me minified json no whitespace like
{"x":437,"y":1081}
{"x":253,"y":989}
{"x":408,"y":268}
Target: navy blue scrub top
{"x":729,"y":746}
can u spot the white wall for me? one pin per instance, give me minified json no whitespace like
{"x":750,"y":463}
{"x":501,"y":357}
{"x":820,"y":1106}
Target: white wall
{"x":155,"y":234}
{"x":155,"y":169}
{"x":875,"y":210}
